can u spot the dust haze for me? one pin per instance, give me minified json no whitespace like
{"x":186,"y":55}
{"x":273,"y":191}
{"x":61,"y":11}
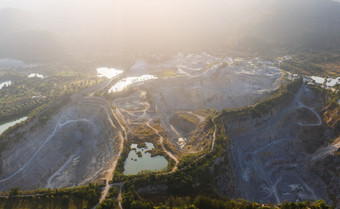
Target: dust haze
{"x":81,"y":27}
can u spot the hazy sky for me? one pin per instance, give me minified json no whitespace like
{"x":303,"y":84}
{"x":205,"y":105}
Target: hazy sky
{"x":93,"y":4}
{"x":160,"y":22}
{"x":140,"y":20}
{"x":44,"y":4}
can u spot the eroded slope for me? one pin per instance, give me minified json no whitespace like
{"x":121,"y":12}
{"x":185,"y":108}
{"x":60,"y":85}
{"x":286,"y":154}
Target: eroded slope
{"x":273,"y":154}
{"x":74,"y":148}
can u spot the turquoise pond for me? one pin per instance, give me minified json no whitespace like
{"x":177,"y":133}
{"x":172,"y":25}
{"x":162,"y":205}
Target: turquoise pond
{"x":134,"y":164}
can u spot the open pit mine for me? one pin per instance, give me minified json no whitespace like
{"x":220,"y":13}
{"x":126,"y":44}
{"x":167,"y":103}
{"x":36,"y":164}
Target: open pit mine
{"x":271,"y":156}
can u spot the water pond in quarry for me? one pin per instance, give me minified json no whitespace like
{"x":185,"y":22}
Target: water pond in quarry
{"x":125,"y":82}
{"x":5,"y":126}
{"x":5,"y":84}
{"x":134,"y":164}
{"x":108,"y":72}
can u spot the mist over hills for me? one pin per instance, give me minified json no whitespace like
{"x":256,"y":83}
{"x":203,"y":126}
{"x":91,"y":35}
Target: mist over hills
{"x":25,"y":37}
{"x":169,"y":104}
{"x":260,"y":27}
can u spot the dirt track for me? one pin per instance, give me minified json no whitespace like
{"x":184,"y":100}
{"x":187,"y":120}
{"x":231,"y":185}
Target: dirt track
{"x":270,"y":160}
{"x":74,"y":148}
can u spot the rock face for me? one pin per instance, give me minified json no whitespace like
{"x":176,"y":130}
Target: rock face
{"x":205,"y":81}
{"x":328,"y":168}
{"x":73,"y":148}
{"x":275,"y":156}
{"x":182,"y":125}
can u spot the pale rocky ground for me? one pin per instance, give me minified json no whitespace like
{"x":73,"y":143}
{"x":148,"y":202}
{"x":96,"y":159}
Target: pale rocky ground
{"x":74,"y":148}
{"x":274,"y":158}
{"x":77,"y":145}
{"x":279,"y":157}
{"x":203,"y":81}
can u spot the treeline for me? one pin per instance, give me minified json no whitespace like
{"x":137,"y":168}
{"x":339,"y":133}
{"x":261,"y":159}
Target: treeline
{"x":319,"y":56}
{"x":42,"y":113}
{"x":76,"y":197}
{"x":108,"y":204}
{"x":18,"y":109}
{"x":302,"y":67}
{"x":205,"y":202}
{"x":312,"y":63}
{"x":331,"y":111}
{"x":25,"y":94}
{"x":20,"y":99}
{"x":118,"y":174}
{"x":192,"y":177}
{"x":279,"y":98}
{"x":111,"y":201}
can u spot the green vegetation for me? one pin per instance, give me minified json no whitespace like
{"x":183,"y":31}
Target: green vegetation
{"x":72,"y":198}
{"x":280,"y":98}
{"x":114,"y":192}
{"x":322,"y":63}
{"x":149,"y":97}
{"x":108,"y":204}
{"x":195,"y":172}
{"x":139,"y":154}
{"x":331,"y":111}
{"x":157,"y":125}
{"x":110,"y":201}
{"x":205,"y":112}
{"x":42,"y":113}
{"x":203,"y":202}
{"x":143,"y":133}
{"x":167,"y":73}
{"x":191,"y":118}
{"x":193,"y":177}
{"x":40,"y":99}
{"x":141,"y":145}
{"x":26,"y":94}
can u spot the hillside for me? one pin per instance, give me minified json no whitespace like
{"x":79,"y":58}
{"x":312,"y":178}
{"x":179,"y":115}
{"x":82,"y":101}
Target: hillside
{"x":172,"y":104}
{"x":25,"y":36}
{"x":276,"y":143}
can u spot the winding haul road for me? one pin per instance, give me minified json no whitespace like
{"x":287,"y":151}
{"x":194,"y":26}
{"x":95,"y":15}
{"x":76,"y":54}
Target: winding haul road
{"x":301,"y":105}
{"x":214,"y":134}
{"x":163,"y":147}
{"x":265,"y":159}
{"x":28,"y":162}
{"x":147,"y":123}
{"x":240,"y":155}
{"x":109,"y":173}
{"x":83,"y":96}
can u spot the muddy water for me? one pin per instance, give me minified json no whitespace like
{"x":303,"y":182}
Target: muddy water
{"x":5,"y":126}
{"x":6,"y":83}
{"x":135,"y":164}
{"x":108,"y":72}
{"x":37,"y":75}
{"x":122,"y":84}
{"x":330,"y":82}
{"x":318,"y":79}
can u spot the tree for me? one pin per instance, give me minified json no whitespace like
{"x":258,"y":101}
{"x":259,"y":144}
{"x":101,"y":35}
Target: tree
{"x":14,"y":191}
{"x":108,"y":204}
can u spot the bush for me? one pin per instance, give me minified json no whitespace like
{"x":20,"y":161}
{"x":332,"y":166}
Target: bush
{"x":108,"y":204}
{"x":14,"y":191}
